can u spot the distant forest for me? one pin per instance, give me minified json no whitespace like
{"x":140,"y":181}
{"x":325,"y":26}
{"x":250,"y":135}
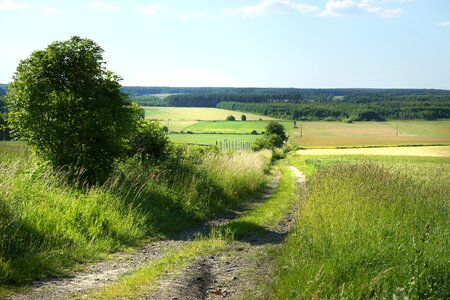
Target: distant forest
{"x":346,"y":105}
{"x":306,"y":104}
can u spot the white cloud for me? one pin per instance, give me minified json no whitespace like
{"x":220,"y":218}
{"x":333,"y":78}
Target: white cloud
{"x":155,"y":10}
{"x":12,"y":4}
{"x":98,"y":5}
{"x":49,"y":9}
{"x":272,"y":6}
{"x":444,"y":24}
{"x":357,"y":7}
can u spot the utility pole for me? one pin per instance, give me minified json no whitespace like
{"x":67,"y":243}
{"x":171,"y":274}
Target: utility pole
{"x":396,"y":133}
{"x":301,"y":130}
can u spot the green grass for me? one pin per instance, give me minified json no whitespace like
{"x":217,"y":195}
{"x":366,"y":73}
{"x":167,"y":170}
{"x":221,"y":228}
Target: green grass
{"x":10,"y":151}
{"x":48,"y":226}
{"x":211,"y":139}
{"x":233,"y":127}
{"x":369,"y":229}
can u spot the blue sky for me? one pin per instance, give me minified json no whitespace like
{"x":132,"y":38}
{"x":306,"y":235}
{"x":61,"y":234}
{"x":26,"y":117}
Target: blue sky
{"x":261,"y":43}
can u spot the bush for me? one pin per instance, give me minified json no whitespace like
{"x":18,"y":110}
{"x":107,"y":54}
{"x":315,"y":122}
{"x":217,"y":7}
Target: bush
{"x":243,"y":118}
{"x":254,"y":132}
{"x":231,"y":118}
{"x":267,"y":142}
{"x":276,"y":128}
{"x":274,"y":137}
{"x":149,"y":140}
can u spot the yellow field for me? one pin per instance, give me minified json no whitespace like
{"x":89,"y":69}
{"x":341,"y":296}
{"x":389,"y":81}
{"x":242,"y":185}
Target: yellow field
{"x":436,"y":151}
{"x":337,"y":134}
{"x":196,"y":114}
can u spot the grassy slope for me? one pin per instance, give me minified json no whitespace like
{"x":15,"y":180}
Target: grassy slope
{"x":47,"y":226}
{"x":368,"y":230}
{"x":270,"y":213}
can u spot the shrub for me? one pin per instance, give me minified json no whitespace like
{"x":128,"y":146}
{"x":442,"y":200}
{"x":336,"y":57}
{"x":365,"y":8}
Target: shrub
{"x":243,"y":118}
{"x":254,"y":132}
{"x":276,"y":128}
{"x":149,"y":140}
{"x":231,"y":118}
{"x":267,"y":142}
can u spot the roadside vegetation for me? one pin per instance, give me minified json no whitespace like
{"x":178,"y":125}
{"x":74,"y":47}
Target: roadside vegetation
{"x":369,"y":229}
{"x":47,"y":225}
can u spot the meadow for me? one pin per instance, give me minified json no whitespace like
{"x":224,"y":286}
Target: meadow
{"x":371,"y":228}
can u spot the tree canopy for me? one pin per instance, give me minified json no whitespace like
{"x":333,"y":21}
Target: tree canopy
{"x":69,"y":108}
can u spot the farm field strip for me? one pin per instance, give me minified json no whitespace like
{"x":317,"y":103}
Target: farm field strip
{"x":211,"y":139}
{"x":358,"y":134}
{"x":437,"y":151}
{"x":196,"y":114}
{"x":234,"y":126}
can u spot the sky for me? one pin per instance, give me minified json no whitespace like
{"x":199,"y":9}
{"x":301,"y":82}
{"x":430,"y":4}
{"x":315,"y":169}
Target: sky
{"x":244,"y":43}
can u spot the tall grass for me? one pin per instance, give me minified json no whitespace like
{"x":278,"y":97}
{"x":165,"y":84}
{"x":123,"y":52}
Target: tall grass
{"x":48,"y":225}
{"x":370,"y":231}
{"x":11,"y":150}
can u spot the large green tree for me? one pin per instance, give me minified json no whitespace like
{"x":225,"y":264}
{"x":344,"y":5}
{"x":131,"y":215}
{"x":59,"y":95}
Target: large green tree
{"x":69,"y":108}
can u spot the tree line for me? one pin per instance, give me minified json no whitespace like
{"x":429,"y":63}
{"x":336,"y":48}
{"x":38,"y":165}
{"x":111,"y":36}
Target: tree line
{"x":346,"y":111}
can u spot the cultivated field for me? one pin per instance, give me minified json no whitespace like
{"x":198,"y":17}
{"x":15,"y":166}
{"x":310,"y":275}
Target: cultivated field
{"x":196,"y":114}
{"x":437,"y":151}
{"x":211,"y":139}
{"x":338,"y":134}
{"x":233,"y":127}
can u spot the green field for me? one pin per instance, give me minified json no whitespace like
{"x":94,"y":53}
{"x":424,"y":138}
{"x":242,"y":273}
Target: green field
{"x":211,"y":139}
{"x":233,"y":127}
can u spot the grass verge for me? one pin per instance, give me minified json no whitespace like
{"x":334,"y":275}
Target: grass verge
{"x":370,"y":230}
{"x":48,"y":226}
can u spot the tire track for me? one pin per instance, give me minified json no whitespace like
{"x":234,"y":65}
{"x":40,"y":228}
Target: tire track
{"x":101,"y":273}
{"x":232,"y":273}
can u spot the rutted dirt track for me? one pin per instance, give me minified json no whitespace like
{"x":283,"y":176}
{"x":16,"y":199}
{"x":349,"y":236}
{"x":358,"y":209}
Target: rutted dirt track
{"x":227,"y":274}
{"x":232,"y":273}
